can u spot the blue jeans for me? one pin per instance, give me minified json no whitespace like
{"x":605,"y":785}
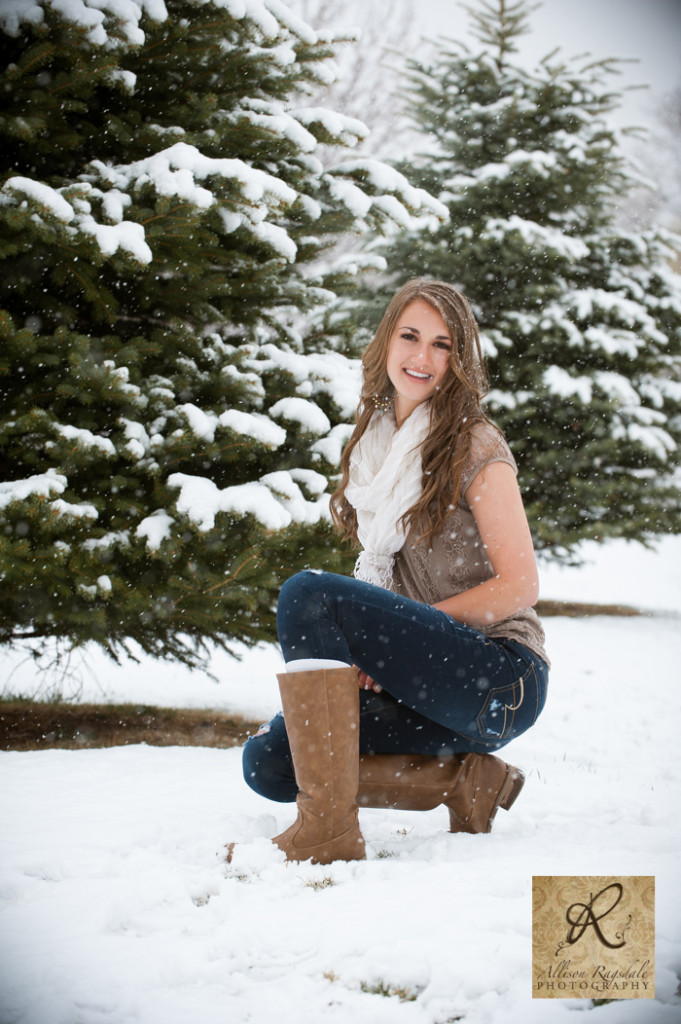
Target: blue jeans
{"x":447,"y":688}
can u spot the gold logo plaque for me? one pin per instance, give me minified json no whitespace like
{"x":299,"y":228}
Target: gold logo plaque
{"x":593,"y":937}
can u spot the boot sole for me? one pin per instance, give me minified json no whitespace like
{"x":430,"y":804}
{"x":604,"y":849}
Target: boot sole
{"x":347,"y":847}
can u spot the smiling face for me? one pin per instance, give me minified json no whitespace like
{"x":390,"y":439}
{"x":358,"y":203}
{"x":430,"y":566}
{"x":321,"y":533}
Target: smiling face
{"x":418,"y":356}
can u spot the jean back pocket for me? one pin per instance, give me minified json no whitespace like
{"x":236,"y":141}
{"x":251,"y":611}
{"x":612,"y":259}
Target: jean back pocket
{"x":511,"y":709}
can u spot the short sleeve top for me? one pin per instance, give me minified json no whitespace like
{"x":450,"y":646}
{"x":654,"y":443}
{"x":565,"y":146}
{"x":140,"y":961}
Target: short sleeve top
{"x":457,"y":559}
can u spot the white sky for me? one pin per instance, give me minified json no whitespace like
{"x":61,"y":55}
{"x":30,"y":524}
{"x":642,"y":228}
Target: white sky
{"x":648,"y":30}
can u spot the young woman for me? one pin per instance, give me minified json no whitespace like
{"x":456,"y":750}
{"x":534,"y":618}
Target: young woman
{"x":401,"y":680}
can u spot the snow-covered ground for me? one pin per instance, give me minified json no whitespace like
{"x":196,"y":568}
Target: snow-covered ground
{"x":116,"y":907}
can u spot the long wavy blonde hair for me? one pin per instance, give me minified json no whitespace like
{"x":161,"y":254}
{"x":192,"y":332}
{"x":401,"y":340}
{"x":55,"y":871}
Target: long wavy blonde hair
{"x":455,"y":408}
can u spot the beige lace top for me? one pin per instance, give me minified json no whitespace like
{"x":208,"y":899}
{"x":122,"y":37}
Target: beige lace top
{"x":457,"y":560}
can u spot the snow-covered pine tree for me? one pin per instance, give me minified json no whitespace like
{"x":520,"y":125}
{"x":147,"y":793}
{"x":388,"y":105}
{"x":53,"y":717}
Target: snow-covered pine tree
{"x":165,"y":431}
{"x":582,"y":322}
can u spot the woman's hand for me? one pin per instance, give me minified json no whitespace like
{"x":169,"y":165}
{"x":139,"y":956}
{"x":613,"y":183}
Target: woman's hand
{"x":366,"y":682}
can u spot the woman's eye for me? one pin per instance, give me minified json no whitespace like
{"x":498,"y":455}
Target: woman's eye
{"x":408,"y":336}
{"x":443,"y":344}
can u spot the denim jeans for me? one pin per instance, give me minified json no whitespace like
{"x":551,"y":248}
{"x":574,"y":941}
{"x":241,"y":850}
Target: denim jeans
{"x":447,"y":688}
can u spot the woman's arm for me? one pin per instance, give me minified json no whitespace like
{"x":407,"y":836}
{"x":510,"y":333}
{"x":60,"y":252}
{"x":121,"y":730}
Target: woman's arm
{"x":494,"y":498}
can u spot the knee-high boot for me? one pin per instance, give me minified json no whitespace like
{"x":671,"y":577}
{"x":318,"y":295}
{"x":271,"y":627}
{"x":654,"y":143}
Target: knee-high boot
{"x":321,"y":711}
{"x":472,"y":786}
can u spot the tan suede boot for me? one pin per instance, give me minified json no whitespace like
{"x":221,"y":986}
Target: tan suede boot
{"x":321,"y":711}
{"x":485,"y":784}
{"x":472,"y":786}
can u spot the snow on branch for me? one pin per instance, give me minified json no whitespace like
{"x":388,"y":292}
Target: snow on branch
{"x":275,"y":501}
{"x":112,"y":23}
{"x":177,"y":172}
{"x":330,"y":448}
{"x":536,"y":236}
{"x":590,"y":303}
{"x":299,"y":410}
{"x":155,"y":528}
{"x":285,"y":16}
{"x":318,"y":372}
{"x":105,"y":22}
{"x":71,"y":214}
{"x":654,"y":439}
{"x":85,"y":439}
{"x":174,"y":172}
{"x":561,"y":383}
{"x":342,"y":129}
{"x":386,"y":180}
{"x":254,"y":425}
{"x":47,"y":199}
{"x":45,"y":485}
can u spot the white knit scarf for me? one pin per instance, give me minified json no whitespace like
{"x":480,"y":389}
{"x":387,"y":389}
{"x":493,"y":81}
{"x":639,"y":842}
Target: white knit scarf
{"x":384,"y":482}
